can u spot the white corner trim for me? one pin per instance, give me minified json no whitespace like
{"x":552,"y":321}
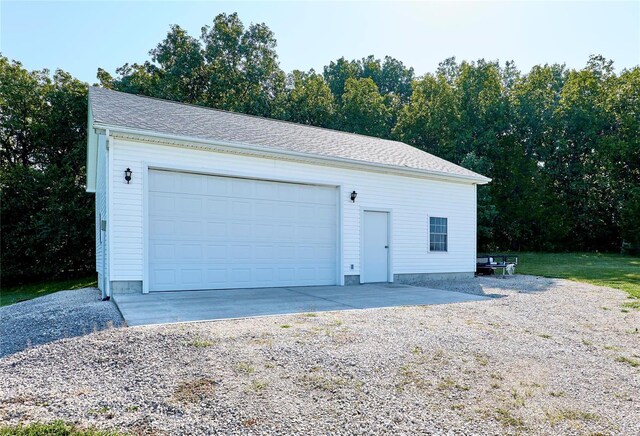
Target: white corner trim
{"x":145,"y":227}
{"x":109,"y":206}
{"x":340,"y":235}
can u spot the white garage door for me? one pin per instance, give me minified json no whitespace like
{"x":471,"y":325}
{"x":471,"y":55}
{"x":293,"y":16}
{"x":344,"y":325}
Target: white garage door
{"x":209,"y":232}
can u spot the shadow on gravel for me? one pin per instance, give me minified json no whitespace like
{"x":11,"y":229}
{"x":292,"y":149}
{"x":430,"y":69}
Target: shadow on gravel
{"x":518,"y":283}
{"x":64,"y":314}
{"x":487,"y":285}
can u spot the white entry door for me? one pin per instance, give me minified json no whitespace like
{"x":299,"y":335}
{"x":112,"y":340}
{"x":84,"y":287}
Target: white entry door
{"x":376,"y":247}
{"x":210,"y":232}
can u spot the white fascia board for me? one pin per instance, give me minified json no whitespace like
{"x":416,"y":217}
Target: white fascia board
{"x":253,"y":150}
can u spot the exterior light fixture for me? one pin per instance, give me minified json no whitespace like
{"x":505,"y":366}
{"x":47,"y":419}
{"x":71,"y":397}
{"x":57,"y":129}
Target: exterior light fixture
{"x":354,"y":194}
{"x":127,"y":175}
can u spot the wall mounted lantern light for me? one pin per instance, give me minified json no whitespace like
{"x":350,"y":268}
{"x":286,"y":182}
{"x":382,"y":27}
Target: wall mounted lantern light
{"x":127,"y":175}
{"x":354,"y":194}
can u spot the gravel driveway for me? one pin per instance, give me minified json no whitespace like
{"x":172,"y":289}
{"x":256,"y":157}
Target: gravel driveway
{"x":552,"y":356}
{"x":55,"y":316}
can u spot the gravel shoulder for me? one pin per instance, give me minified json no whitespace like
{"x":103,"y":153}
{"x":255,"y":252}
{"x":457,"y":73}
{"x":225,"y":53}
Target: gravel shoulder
{"x":55,"y":316}
{"x":547,"y":357}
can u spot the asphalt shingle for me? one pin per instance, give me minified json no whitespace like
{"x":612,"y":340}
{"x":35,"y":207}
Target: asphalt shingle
{"x":120,"y":109}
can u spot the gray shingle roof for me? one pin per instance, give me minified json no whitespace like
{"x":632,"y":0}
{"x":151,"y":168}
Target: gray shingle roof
{"x":120,"y":109}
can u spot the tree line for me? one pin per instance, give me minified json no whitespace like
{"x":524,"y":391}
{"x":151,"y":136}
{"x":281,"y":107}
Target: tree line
{"x":561,"y":145}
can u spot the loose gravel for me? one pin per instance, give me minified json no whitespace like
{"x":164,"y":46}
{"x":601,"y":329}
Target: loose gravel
{"x":55,"y":316}
{"x":544,"y":357}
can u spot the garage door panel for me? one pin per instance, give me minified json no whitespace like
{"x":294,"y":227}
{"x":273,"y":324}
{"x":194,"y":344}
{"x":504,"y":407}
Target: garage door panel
{"x":162,"y":227}
{"x":162,"y":203}
{"x":264,"y":231}
{"x":215,"y":252}
{"x":215,"y":229}
{"x":162,"y":252}
{"x":164,"y":181}
{"x":264,"y":275}
{"x":285,"y":234}
{"x":241,"y":209}
{"x":242,"y":188}
{"x":306,"y":212}
{"x":241,"y":275}
{"x":189,"y":251}
{"x":241,"y":252}
{"x":326,"y":274}
{"x":265,"y":190}
{"x":188,"y":206}
{"x":189,"y":229}
{"x":191,"y":183}
{"x":265,"y":253}
{"x":324,"y":233}
{"x":209,"y":232}
{"x":325,"y":196}
{"x":217,"y":276}
{"x":286,"y":252}
{"x":216,"y":208}
{"x":164,"y":277}
{"x":192,"y":276}
{"x":286,"y":275}
{"x":325,"y":214}
{"x":326,"y":253}
{"x":284,"y":212}
{"x":266,"y":210}
{"x":241,"y":231}
{"x":306,"y":274}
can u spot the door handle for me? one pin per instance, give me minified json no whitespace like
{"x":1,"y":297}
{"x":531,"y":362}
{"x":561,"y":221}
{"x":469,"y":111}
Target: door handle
{"x":386,"y":246}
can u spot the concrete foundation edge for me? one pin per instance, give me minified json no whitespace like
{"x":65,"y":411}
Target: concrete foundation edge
{"x":135,"y":286}
{"x":126,"y":287}
{"x":351,"y":280}
{"x":426,"y":278}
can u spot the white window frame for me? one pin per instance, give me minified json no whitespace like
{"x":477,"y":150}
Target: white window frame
{"x":446,"y":235}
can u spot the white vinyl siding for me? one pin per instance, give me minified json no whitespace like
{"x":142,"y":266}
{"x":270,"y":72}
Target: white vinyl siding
{"x":410,"y":199}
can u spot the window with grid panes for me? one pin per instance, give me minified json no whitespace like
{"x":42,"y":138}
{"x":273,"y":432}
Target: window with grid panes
{"x":437,"y":234}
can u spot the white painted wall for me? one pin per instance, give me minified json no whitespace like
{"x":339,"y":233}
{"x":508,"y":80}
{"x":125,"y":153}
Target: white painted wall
{"x":411,"y":200}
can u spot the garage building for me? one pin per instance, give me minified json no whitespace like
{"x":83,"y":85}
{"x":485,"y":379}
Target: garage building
{"x":191,"y":198}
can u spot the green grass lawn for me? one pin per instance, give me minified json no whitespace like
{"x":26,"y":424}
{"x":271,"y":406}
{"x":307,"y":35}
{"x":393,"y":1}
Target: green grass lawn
{"x":27,"y":292}
{"x":612,"y":270}
{"x":56,"y":428}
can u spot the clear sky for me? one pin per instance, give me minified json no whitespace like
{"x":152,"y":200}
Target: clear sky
{"x":81,"y":36}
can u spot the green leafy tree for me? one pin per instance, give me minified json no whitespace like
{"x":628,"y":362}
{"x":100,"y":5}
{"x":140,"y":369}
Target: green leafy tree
{"x":181,"y":67}
{"x":337,"y":73}
{"x":230,"y":67}
{"x":487,"y":217}
{"x":242,"y":66}
{"x":390,"y":75}
{"x":630,"y":221}
{"x":363,"y":110}
{"x":308,"y":100}
{"x":580,"y":165}
{"x":46,"y":216}
{"x":431,"y":120}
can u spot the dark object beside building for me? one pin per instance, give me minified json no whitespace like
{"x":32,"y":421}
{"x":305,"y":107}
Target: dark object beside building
{"x":486,"y":264}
